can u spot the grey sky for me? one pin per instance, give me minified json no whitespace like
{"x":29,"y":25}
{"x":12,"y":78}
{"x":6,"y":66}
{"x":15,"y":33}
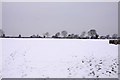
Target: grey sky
{"x":0,"y":15}
{"x":29,"y":18}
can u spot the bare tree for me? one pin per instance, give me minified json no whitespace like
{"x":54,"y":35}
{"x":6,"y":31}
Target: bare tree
{"x":33,"y":36}
{"x":108,"y":36}
{"x":37,"y":36}
{"x":64,"y":33}
{"x":57,"y":34}
{"x":82,"y":34}
{"x":114,"y":36}
{"x":76,"y":36}
{"x":1,"y":33}
{"x":46,"y":34}
{"x":19,"y":36}
{"x":92,"y":33}
{"x":72,"y":35}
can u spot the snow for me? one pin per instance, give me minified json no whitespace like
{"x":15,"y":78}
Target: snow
{"x":0,"y":59}
{"x":59,"y":58}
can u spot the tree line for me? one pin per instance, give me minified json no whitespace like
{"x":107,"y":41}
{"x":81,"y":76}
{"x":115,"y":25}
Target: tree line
{"x":91,"y":34}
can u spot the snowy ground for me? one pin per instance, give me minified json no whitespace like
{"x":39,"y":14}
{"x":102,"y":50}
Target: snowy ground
{"x":0,"y":59}
{"x":59,"y":58}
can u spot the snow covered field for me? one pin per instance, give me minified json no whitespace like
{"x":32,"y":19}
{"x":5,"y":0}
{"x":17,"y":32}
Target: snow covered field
{"x":0,"y":59}
{"x":59,"y":58}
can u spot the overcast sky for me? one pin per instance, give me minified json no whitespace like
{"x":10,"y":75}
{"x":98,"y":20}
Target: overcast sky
{"x":29,"y":18}
{"x":0,"y":15}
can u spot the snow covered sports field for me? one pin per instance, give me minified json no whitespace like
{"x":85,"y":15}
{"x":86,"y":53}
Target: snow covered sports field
{"x":59,"y":58}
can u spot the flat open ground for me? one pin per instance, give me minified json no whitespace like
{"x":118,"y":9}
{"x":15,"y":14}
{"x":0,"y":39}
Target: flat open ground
{"x":59,"y":58}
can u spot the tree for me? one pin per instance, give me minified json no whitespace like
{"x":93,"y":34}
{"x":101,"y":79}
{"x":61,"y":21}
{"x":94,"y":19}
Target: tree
{"x":57,"y":34}
{"x":114,"y":36}
{"x":38,"y":36}
{"x":46,"y":34}
{"x":33,"y":36}
{"x":72,"y":35}
{"x":82,"y":34}
{"x":76,"y":36}
{"x":64,"y":33}
{"x":108,"y":36}
{"x":1,"y":33}
{"x":19,"y":36}
{"x":92,"y":33}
